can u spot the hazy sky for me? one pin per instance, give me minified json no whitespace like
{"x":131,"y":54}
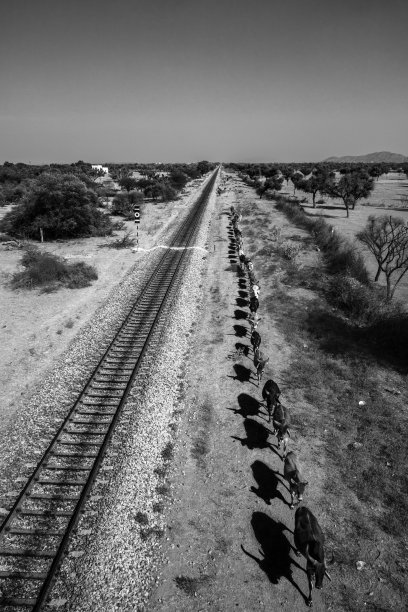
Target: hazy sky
{"x":184,"y":80}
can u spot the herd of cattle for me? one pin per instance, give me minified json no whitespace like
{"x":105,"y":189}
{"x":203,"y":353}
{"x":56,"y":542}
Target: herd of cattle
{"x":308,"y":536}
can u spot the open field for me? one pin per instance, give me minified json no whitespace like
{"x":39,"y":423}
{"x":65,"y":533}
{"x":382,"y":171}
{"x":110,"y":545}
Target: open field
{"x":386,"y":198}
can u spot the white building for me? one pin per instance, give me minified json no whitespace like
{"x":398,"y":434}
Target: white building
{"x":104,"y":169}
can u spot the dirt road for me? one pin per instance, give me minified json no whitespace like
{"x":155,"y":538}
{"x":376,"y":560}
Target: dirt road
{"x":230,"y":539}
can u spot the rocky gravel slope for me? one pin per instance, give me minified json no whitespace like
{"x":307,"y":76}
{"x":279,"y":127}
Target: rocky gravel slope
{"x":109,"y":565}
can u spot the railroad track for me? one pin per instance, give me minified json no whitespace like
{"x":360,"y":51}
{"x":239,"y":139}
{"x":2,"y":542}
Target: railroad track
{"x":35,"y":534}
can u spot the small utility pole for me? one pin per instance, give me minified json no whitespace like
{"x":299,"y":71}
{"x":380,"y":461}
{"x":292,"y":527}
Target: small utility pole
{"x":136,"y":210}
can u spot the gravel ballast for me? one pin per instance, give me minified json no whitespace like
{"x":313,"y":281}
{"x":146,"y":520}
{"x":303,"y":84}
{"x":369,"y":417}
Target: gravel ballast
{"x":110,"y":560}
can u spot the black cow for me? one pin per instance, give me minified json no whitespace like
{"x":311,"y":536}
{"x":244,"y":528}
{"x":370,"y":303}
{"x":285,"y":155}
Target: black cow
{"x":270,"y":394}
{"x":253,"y":304}
{"x":309,"y":540}
{"x":255,"y":340}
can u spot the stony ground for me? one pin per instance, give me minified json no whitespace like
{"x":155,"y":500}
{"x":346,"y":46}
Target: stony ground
{"x":229,"y":527}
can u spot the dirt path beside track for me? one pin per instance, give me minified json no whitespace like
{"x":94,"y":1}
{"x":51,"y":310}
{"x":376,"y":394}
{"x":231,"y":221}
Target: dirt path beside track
{"x":229,"y":540}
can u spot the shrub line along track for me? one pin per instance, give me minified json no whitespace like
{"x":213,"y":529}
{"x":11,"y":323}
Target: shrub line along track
{"x":33,"y":537}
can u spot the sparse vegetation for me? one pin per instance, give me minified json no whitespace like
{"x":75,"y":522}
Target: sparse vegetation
{"x":57,"y":206}
{"x":126,"y":242}
{"x":337,"y":369}
{"x":387,"y":239}
{"x":48,"y":272}
{"x":351,"y":187}
{"x":122,"y":203}
{"x":289,"y":250}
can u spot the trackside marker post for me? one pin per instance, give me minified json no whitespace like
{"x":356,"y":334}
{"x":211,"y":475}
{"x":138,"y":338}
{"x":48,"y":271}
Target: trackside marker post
{"x":136,"y":211}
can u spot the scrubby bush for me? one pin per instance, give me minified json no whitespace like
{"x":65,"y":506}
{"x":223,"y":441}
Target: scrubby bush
{"x":48,"y":272}
{"x":289,"y":250}
{"x":122,"y":203}
{"x":57,"y":206}
{"x":354,"y":298}
{"x":126,"y":242}
{"x":341,"y":256}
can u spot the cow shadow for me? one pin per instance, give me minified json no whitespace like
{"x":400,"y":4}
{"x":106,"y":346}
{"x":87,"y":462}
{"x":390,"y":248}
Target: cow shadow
{"x":242,"y":374}
{"x":240,"y":314}
{"x":242,"y":348}
{"x":240,"y":331}
{"x":248,"y":405}
{"x":243,"y":294}
{"x":241,"y":302}
{"x":268,"y":482}
{"x":275,"y":550}
{"x":257,"y":435}
{"x":242,"y":283}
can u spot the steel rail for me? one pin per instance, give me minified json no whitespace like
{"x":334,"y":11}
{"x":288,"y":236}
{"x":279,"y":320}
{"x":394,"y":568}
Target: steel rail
{"x":144,"y":321}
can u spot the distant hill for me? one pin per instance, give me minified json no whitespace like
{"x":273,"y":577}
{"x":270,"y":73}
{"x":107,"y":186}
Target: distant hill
{"x":371,"y":158}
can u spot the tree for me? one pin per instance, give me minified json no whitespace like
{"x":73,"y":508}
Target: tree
{"x":128,"y":183}
{"x":167,"y":193}
{"x":287,"y":172}
{"x":316,"y":182}
{"x":122,"y":203}
{"x":204,"y":166}
{"x":375,"y":171}
{"x":57,"y":206}
{"x":178,"y":179}
{"x":271,"y":184}
{"x":297,"y":179}
{"x":387,"y":239}
{"x":351,"y":187}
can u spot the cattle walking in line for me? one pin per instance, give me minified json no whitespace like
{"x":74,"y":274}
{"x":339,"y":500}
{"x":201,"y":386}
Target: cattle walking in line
{"x":255,"y":290}
{"x":253,"y":320}
{"x":293,"y":474}
{"x":309,"y":540}
{"x":281,"y":421}
{"x":253,"y":304}
{"x":251,"y":276}
{"x":241,"y":255}
{"x":270,"y":394}
{"x":260,"y":362}
{"x":255,"y":340}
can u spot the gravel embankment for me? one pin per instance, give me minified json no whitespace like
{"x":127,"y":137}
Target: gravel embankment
{"x":37,"y":419}
{"x":111,"y":559}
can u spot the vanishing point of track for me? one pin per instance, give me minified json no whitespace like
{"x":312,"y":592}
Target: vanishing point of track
{"x":35,"y":534}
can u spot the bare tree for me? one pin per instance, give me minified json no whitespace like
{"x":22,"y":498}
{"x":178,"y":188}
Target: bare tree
{"x":387,"y":239}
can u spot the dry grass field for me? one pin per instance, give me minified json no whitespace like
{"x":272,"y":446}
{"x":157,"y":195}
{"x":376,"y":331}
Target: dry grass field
{"x":390,"y":197}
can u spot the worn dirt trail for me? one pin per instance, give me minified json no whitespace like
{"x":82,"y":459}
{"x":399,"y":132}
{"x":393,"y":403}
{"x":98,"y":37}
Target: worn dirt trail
{"x":229,"y":538}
